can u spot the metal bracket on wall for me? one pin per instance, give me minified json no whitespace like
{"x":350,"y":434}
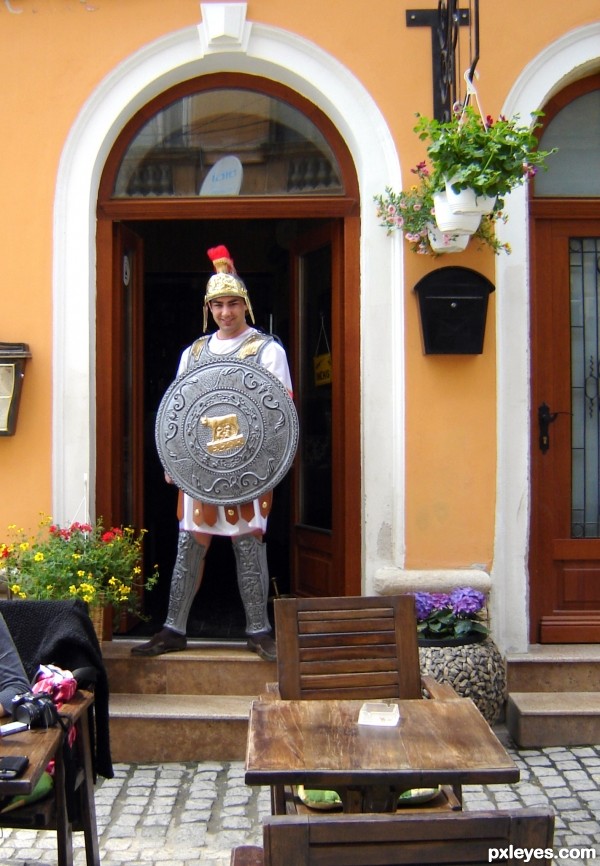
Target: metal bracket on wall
{"x":445,"y":22}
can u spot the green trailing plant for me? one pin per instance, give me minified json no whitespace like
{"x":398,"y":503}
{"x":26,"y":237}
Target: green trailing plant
{"x":410,"y":211}
{"x":487,"y":156}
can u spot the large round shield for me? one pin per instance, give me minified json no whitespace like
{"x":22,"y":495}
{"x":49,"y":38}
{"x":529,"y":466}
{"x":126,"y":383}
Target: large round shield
{"x":226,"y":432}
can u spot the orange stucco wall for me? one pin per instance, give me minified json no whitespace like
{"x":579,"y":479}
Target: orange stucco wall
{"x":55,"y":52}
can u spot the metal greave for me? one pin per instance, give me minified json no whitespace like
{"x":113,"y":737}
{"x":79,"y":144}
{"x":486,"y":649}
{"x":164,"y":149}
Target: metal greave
{"x":253,"y":581}
{"x":184,"y":582}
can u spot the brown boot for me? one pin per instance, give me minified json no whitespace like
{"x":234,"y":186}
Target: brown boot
{"x":165,"y":641}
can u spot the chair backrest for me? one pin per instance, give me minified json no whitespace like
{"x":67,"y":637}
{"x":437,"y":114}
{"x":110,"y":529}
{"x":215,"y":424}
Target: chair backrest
{"x":355,"y":647}
{"x":453,"y":839}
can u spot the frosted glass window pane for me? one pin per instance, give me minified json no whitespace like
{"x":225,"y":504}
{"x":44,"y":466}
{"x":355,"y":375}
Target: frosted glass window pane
{"x":271,"y":146}
{"x":575,"y":169}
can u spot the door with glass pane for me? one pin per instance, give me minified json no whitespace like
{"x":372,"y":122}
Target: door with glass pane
{"x":317,"y":369}
{"x":565,"y":448}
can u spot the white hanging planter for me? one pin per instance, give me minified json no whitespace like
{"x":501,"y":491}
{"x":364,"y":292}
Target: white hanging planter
{"x":467,"y":202}
{"x":453,"y":222}
{"x":447,"y":242}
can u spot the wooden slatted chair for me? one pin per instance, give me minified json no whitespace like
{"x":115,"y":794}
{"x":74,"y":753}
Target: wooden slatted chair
{"x":453,"y":839}
{"x":354,"y":647}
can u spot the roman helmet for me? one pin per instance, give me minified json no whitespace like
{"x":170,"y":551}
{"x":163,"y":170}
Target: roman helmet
{"x":225,"y":283}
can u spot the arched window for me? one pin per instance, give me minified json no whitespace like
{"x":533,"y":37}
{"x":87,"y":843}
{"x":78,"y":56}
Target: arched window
{"x":574,"y":128}
{"x":228,"y":141}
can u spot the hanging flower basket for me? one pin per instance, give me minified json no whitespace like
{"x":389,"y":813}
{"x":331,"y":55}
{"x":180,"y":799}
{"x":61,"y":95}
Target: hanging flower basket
{"x":447,"y":242}
{"x":447,"y":221}
{"x":472,"y":157}
{"x":466,"y":201}
{"x":490,"y":157}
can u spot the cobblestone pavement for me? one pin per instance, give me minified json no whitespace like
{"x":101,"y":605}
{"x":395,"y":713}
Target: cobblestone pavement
{"x":188,"y":814}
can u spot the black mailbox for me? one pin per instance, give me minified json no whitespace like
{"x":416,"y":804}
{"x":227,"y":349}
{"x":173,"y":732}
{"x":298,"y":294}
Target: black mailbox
{"x":453,"y":307}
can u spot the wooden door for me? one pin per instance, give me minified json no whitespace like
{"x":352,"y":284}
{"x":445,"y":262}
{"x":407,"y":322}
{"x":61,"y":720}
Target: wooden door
{"x":321,"y":560}
{"x":119,"y":376}
{"x":565,"y":449}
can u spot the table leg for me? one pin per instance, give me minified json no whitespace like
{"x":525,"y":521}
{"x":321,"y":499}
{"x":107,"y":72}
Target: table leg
{"x":278,"y":806}
{"x":88,"y":804}
{"x":64,"y":832}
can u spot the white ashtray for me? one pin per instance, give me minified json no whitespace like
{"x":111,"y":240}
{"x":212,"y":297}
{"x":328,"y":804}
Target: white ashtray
{"x":379,"y":713}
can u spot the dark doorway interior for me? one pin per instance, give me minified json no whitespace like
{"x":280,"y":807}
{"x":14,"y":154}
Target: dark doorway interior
{"x":176,"y":269}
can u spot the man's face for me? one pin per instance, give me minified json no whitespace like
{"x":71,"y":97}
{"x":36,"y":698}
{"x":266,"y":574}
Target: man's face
{"x":230,"y":315}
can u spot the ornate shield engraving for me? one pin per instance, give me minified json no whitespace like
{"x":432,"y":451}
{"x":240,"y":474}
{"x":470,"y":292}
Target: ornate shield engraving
{"x":226,"y":432}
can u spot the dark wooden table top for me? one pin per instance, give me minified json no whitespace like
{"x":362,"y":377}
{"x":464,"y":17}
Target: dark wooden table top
{"x":320,"y":744}
{"x":39,"y":745}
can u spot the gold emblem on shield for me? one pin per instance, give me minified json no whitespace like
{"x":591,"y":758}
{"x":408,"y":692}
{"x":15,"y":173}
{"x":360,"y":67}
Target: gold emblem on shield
{"x":225,"y":433}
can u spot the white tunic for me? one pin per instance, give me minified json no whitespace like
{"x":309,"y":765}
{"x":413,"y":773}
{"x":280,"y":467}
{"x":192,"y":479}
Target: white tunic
{"x":274,"y":359}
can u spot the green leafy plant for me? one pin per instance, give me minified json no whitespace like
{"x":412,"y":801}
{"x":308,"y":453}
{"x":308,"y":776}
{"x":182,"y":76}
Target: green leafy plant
{"x":457,"y":614}
{"x":487,"y":156}
{"x":97,"y":565}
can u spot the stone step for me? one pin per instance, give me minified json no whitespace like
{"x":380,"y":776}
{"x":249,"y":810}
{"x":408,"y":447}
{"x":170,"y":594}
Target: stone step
{"x":204,"y":668}
{"x":162,"y":728}
{"x":554,"y":668}
{"x":563,"y":718}
{"x":183,"y":706}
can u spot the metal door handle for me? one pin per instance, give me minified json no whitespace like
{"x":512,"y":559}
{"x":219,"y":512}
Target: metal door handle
{"x":545,"y":419}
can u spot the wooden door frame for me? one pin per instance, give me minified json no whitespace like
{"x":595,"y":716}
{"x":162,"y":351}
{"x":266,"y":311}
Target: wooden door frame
{"x":345,"y":313}
{"x":548,"y":624}
{"x":544,"y":214}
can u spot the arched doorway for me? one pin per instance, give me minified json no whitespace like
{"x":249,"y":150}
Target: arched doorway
{"x":565,"y":527}
{"x":295,"y":243}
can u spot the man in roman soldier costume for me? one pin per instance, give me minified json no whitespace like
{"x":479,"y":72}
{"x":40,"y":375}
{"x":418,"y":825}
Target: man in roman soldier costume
{"x":227,"y":300}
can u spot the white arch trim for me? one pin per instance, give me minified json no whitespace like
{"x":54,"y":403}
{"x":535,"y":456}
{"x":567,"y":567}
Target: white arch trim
{"x":570,"y":57}
{"x":230,"y":43}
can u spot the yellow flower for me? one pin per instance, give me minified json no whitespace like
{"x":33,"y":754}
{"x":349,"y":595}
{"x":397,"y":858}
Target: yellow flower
{"x":39,"y":557}
{"x":24,"y":545}
{"x":80,"y":573}
{"x":15,"y":589}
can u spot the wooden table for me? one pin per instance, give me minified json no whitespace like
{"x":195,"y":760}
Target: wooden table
{"x":41,"y":746}
{"x":320,"y":744}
